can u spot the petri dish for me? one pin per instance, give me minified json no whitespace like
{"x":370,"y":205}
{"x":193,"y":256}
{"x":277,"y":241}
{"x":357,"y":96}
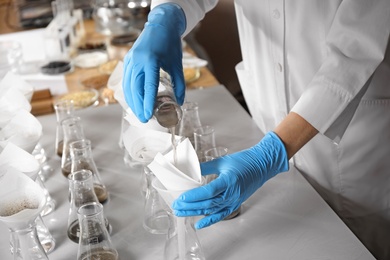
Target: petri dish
{"x":191,"y":74}
{"x":95,"y":81}
{"x":108,"y":67}
{"x":56,"y":67}
{"x":90,"y":59}
{"x":82,"y":98}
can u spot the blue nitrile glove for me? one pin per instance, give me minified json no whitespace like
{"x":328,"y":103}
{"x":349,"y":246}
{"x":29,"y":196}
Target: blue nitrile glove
{"x":158,"y":46}
{"x":240,"y":175}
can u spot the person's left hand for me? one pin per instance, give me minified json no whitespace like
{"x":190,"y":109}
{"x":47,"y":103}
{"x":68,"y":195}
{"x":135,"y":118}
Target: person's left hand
{"x":240,"y":175}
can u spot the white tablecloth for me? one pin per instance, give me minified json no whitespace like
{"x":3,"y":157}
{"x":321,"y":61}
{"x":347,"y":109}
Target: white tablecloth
{"x":285,"y":219}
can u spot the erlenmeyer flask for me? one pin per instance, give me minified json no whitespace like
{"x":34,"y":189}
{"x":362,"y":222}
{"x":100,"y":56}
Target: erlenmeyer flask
{"x":81,"y":192}
{"x":190,"y":121}
{"x":26,"y":244}
{"x":82,"y":159}
{"x":182,"y":243}
{"x":155,"y":215}
{"x":95,"y":241}
{"x":73,"y":131}
{"x":204,"y":137}
{"x":64,"y":109}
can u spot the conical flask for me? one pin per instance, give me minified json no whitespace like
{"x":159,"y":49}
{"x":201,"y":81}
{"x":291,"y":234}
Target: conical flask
{"x":64,"y":109}
{"x":190,"y":121}
{"x":95,"y":241}
{"x":73,"y":131}
{"x":81,"y":192}
{"x":21,"y":204}
{"x":182,"y":242}
{"x":82,"y":159}
{"x":155,"y":214}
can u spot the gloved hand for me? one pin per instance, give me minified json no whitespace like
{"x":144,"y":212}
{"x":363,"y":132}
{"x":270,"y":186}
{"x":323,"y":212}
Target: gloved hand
{"x":240,"y":175}
{"x":158,"y":46}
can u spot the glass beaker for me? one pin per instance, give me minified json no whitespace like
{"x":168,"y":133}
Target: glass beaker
{"x":155,"y":215}
{"x":166,"y":110}
{"x":82,"y":159}
{"x":64,"y":109}
{"x":81,"y":192}
{"x":204,"y":138}
{"x":190,"y":121}
{"x":95,"y":241}
{"x":73,"y":131}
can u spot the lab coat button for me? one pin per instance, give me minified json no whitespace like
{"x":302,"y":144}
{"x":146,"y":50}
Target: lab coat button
{"x":276,"y":14}
{"x":279,"y":67}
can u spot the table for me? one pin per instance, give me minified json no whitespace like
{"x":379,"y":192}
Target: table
{"x":42,"y":102}
{"x":285,"y":219}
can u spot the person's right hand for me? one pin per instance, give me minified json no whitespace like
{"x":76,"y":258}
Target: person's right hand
{"x":158,"y":46}
{"x":239,"y":176}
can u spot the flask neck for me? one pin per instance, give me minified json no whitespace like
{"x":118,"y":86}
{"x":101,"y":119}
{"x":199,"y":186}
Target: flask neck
{"x":26,"y":245}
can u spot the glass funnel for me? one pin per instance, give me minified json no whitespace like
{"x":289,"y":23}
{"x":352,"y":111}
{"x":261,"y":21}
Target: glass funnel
{"x":21,"y":204}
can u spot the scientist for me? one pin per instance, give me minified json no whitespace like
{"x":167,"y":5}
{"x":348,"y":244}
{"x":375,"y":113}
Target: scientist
{"x":316,"y":78}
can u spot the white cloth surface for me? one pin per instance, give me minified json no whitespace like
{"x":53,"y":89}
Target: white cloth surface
{"x":285,"y":219}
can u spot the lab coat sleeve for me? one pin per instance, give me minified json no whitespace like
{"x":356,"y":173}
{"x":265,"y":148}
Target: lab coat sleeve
{"x":194,"y":10}
{"x":355,"y":45}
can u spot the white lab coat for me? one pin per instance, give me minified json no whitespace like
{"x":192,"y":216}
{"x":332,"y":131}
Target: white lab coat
{"x":328,"y":61}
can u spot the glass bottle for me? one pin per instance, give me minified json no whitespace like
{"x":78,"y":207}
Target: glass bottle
{"x":95,"y":241}
{"x":64,"y":109}
{"x":190,"y":121}
{"x":166,"y":110}
{"x":81,"y":192}
{"x":82,"y":159}
{"x":73,"y":131}
{"x":182,"y":242}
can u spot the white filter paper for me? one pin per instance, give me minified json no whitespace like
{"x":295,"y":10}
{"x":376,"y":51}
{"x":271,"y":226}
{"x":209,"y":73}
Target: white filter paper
{"x":15,"y":157}
{"x":14,"y":81}
{"x":24,"y":130}
{"x":174,"y":179}
{"x":22,"y":199}
{"x":11,"y":102}
{"x":143,"y":144}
